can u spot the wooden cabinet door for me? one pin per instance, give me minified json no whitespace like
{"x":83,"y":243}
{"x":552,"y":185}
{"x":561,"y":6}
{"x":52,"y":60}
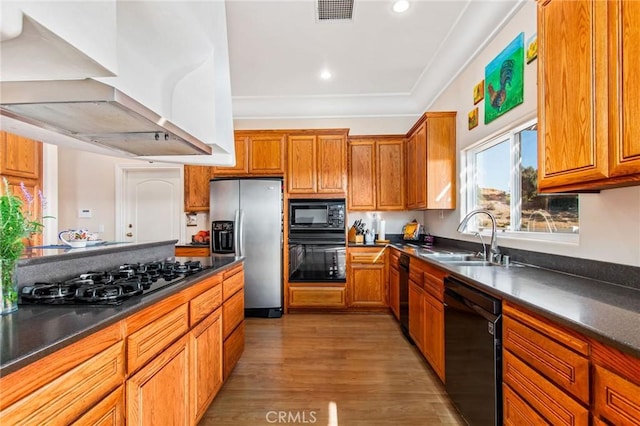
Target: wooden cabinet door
{"x":416,"y":315}
{"x":20,"y":157}
{"x":33,"y":208}
{"x":301,"y":165}
{"x":572,"y":93}
{"x":434,"y":334}
{"x":394,"y":292}
{"x":390,"y":176}
{"x":420,"y":163}
{"x":196,"y":188}
{"x":440,"y":142}
{"x":332,"y":164}
{"x":362,"y":175}
{"x":108,"y":412}
{"x":241,"y":167}
{"x":411,"y":171}
{"x":266,"y":155}
{"x":158,"y":394}
{"x":206,"y":363}
{"x":233,"y":347}
{"x":624,"y":86}
{"x":367,"y":286}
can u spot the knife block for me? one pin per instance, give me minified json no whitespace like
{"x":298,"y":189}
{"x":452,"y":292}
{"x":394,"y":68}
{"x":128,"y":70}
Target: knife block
{"x":353,"y":238}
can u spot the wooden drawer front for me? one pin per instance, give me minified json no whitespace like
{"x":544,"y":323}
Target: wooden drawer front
{"x":108,"y":412}
{"x":415,"y":275}
{"x":368,"y":258}
{"x":232,"y":284}
{"x":616,"y":399}
{"x":394,"y":257}
{"x":320,"y":297}
{"x":202,"y":251}
{"x":516,"y":412}
{"x":233,"y":348}
{"x":232,"y":313}
{"x":433,"y":285}
{"x":232,"y":271}
{"x":70,"y":395}
{"x":147,"y":342}
{"x":32,"y":377}
{"x":566,"y":337}
{"x":204,"y":304}
{"x":562,"y":366}
{"x":557,"y":407}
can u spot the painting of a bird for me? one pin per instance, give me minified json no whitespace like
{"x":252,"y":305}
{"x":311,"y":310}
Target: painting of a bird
{"x":504,"y":80}
{"x":497,"y":97}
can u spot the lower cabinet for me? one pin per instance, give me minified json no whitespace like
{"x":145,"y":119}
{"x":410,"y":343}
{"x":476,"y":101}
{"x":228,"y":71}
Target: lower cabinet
{"x":233,"y":348}
{"x":367,"y":277}
{"x":206,"y":363}
{"x":71,"y":394}
{"x":433,"y":346}
{"x":416,"y":315}
{"x":546,"y":367}
{"x":158,"y":394}
{"x":108,"y":412}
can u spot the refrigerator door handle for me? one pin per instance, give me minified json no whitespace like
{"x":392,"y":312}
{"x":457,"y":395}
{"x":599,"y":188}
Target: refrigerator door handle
{"x":239,"y":233}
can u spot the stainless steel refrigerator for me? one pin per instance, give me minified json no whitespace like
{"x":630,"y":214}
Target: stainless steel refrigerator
{"x":254,"y":206}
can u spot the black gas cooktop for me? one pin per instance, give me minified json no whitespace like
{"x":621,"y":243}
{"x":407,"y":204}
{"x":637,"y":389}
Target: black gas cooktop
{"x":113,"y":287}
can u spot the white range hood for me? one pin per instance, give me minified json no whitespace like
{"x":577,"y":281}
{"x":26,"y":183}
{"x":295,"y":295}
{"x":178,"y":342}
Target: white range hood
{"x":161,"y":94}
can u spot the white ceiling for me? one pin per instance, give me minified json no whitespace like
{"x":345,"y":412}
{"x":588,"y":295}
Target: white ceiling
{"x":383,"y":63}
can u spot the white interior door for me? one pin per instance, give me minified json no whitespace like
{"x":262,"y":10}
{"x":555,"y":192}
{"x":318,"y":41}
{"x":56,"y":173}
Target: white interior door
{"x":152,"y":205}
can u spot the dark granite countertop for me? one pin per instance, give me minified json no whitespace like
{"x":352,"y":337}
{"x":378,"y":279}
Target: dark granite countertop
{"x":33,"y":332}
{"x":607,"y":312}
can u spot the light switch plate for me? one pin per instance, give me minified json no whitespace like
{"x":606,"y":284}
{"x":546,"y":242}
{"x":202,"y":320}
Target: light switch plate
{"x":85,"y":213}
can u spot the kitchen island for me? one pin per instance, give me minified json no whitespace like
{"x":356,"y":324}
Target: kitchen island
{"x":57,"y":362}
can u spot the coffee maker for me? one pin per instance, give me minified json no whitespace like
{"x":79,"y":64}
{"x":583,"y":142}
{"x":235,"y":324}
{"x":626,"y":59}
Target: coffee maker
{"x":222,"y":241}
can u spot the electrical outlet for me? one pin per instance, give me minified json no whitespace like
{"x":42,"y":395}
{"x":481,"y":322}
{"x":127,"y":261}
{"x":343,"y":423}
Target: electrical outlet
{"x":100,"y":228}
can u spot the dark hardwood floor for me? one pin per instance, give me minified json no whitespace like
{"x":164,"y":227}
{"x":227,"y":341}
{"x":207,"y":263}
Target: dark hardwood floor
{"x":294,"y":367}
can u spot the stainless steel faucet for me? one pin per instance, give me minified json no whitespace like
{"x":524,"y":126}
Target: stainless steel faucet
{"x":494,"y":252}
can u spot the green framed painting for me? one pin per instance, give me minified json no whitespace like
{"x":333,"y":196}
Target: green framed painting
{"x":504,"y":80}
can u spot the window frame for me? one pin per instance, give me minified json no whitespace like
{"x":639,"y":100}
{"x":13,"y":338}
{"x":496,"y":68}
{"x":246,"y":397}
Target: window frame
{"x":468,"y":194}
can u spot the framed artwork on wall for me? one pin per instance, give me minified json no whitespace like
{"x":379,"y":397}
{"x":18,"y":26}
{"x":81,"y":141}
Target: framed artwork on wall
{"x":473,"y":118}
{"x":532,"y":48}
{"x":478,"y":92}
{"x":504,"y":80}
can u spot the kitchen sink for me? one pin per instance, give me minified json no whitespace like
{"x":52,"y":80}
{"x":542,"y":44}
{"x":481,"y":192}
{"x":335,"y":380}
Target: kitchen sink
{"x":470,"y":263}
{"x":451,"y":257}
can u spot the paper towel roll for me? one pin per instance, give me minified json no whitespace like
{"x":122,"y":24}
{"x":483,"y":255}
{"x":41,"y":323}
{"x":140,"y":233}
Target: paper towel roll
{"x":381,"y":230}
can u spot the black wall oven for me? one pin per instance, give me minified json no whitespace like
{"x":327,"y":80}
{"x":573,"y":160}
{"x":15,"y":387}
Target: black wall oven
{"x":317,"y":241}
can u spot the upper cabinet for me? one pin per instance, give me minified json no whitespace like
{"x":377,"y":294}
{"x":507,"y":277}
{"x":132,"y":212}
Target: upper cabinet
{"x":376,"y":173}
{"x":257,"y":154}
{"x":196,"y":188}
{"x":21,"y":166}
{"x":431,"y":162}
{"x":317,"y":164}
{"x":587,"y":94}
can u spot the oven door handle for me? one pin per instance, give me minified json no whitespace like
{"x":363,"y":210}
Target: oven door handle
{"x":317,"y":242}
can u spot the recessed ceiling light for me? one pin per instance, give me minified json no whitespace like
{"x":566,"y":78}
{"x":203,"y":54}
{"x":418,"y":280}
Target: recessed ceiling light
{"x":400,"y":6}
{"x":325,"y":75}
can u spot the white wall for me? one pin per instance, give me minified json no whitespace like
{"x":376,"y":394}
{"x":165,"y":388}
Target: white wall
{"x":609,"y":221}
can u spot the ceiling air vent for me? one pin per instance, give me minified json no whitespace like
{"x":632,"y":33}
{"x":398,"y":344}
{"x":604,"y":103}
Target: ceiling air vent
{"x":334,"y":10}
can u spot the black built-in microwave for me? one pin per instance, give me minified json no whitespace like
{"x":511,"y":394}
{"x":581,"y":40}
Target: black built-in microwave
{"x":317,"y":216}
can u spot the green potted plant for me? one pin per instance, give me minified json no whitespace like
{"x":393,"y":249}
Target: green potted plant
{"x":17,"y":222}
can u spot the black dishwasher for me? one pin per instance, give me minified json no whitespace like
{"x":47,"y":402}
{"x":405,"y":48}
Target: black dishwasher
{"x":473,"y":352}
